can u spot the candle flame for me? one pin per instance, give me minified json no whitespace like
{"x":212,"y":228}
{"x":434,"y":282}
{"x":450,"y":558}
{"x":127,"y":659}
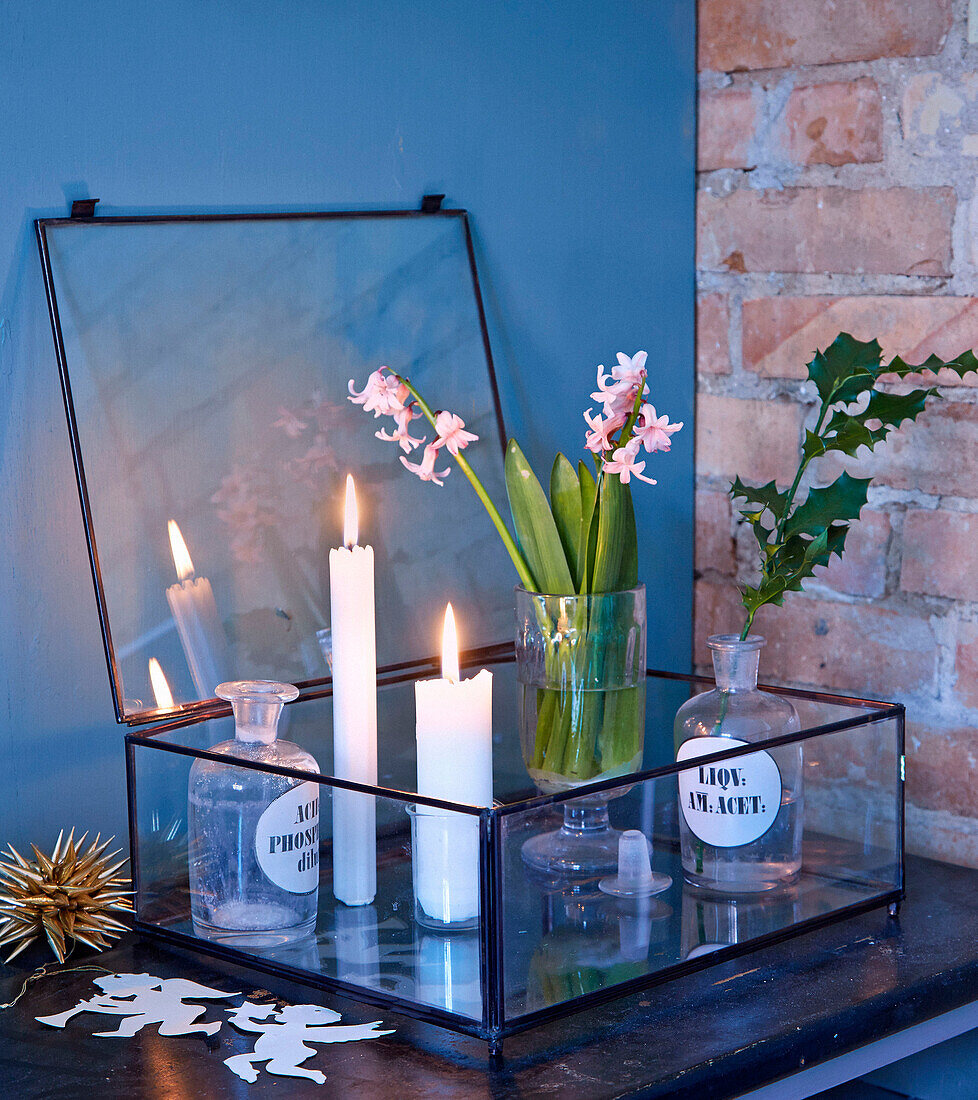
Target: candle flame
{"x":449,"y":648}
{"x":351,"y":523}
{"x":181,"y":555}
{"x":161,"y":689}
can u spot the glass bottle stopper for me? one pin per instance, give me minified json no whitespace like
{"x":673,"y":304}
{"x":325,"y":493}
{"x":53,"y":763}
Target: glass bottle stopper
{"x":635,"y":878}
{"x":257,"y":706}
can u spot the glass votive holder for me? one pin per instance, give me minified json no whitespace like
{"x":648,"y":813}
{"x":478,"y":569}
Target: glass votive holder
{"x":445,"y":868}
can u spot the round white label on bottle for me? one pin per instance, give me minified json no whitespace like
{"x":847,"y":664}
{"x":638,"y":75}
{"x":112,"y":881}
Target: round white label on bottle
{"x":730,"y":803}
{"x":287,"y":839}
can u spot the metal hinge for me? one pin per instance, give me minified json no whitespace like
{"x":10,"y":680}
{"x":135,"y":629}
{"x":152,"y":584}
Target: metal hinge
{"x":83,"y":208}
{"x":431,"y":204}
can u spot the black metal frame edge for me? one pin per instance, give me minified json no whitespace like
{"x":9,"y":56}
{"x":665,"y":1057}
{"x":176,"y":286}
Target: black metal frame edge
{"x":901,"y":822}
{"x":665,"y":770}
{"x":493,"y":1035}
{"x":318,"y":981}
{"x":40,"y":228}
{"x":134,"y":868}
{"x":495,"y":988}
{"x":704,"y":962}
{"x":189,"y":714}
{"x":206,"y":708}
{"x":132,"y":739}
{"x":505,"y":809}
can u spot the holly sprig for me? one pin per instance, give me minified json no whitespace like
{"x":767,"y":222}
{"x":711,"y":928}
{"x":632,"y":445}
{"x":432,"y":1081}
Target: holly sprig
{"x":794,"y":534}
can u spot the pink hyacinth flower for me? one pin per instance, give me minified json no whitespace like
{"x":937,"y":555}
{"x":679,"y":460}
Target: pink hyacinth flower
{"x":425,"y":469}
{"x":403,"y":438}
{"x":653,"y":431}
{"x":623,"y":463}
{"x":609,"y":395}
{"x":380,"y":395}
{"x":599,"y":437}
{"x":618,"y":396}
{"x":402,"y":433}
{"x":630,"y":370}
{"x":451,"y":434}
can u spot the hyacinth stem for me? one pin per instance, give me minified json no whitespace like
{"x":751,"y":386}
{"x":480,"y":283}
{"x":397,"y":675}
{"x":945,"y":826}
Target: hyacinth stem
{"x":526,"y":577}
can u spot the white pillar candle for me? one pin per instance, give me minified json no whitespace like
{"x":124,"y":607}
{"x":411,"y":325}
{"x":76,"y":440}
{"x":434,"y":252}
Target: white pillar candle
{"x":194,"y":611}
{"x":354,"y":641}
{"x":454,"y":735}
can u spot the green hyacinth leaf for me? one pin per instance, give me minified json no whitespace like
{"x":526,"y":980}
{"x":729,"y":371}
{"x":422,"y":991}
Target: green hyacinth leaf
{"x":628,"y":572}
{"x":565,"y":503}
{"x":536,"y":530}
{"x":611,"y":510}
{"x":589,"y":528}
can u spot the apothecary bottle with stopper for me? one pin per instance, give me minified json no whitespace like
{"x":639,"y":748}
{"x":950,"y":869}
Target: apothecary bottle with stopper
{"x":254,"y":836}
{"x":740,"y":819}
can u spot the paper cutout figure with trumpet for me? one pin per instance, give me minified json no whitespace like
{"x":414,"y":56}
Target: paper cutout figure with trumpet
{"x":146,"y":1000}
{"x":283,"y":1038}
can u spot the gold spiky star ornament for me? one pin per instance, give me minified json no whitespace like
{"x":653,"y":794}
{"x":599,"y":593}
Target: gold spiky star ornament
{"x":70,"y":895}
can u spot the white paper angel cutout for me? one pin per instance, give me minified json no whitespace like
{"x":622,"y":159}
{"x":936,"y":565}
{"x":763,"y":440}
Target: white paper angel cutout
{"x":283,"y":1038}
{"x":146,"y":1000}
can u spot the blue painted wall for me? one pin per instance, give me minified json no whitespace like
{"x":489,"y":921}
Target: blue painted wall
{"x":566,"y":129}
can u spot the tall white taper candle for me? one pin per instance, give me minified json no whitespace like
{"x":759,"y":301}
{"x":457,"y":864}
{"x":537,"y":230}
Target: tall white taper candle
{"x":354,"y":639}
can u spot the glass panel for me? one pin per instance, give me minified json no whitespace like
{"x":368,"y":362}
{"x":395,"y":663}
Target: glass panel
{"x":564,"y":938}
{"x":379,"y":947}
{"x":209,"y":364}
{"x":309,"y":723}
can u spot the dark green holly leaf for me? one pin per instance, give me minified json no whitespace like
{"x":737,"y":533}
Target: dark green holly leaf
{"x":891,"y":409}
{"x":807,"y":534}
{"x":961,"y":365}
{"x":837,"y":538}
{"x":766,"y":495}
{"x":839,"y":501}
{"x":845,"y":433}
{"x":847,"y":368}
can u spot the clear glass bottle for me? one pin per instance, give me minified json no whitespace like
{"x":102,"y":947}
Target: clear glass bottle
{"x":740,"y":820}
{"x":254,"y":836}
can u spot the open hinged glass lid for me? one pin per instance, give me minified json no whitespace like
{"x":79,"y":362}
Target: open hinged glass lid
{"x":205,"y":363}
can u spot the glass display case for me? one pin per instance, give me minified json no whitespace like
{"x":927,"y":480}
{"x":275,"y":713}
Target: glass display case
{"x":540,"y":947}
{"x":205,"y":363}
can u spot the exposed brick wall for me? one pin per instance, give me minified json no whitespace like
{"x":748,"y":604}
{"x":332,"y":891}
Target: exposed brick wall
{"x":838,"y":157}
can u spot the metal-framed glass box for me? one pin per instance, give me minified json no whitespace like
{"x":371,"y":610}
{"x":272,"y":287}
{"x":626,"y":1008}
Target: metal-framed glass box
{"x":543,"y":947}
{"x":204,"y":364}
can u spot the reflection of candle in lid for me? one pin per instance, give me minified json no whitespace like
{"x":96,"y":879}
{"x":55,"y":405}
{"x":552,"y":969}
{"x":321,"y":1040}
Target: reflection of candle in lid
{"x":351,"y":519}
{"x":161,"y":689}
{"x":449,"y":648}
{"x":181,"y":555}
{"x":197,"y":620}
